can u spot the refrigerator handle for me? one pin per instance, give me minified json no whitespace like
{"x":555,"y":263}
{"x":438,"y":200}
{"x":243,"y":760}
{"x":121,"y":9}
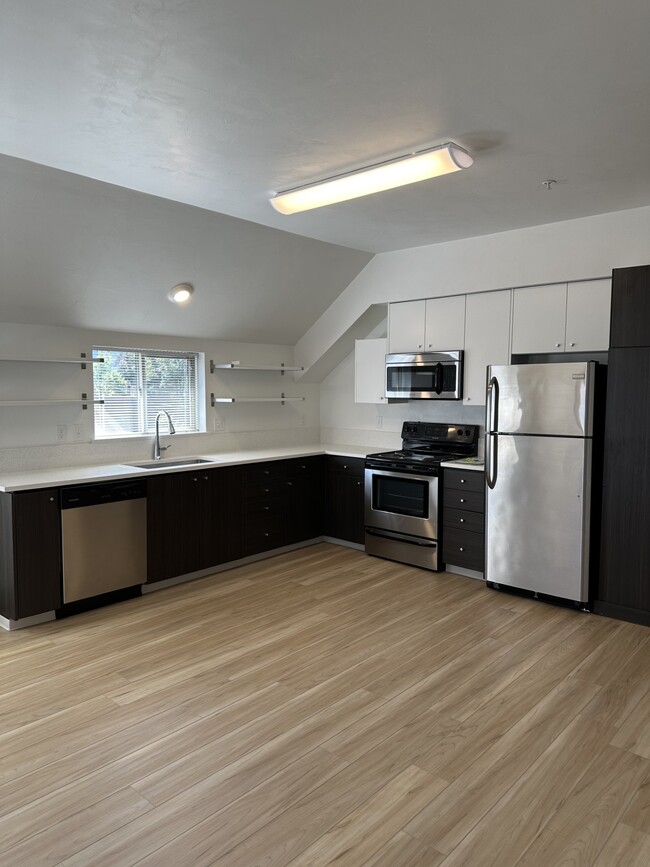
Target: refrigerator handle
{"x":491,"y":459}
{"x":492,"y":409}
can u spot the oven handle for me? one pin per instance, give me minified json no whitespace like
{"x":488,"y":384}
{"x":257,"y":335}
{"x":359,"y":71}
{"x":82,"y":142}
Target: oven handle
{"x":393,"y":474}
{"x":410,"y":540}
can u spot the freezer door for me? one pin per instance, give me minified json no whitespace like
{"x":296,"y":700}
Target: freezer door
{"x":537,"y":516}
{"x":553,"y":399}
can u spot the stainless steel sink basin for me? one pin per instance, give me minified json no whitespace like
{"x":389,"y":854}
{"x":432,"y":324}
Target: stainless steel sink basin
{"x":181,"y":462}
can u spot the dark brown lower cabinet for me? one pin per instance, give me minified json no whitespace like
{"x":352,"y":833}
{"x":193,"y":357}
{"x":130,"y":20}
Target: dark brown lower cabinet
{"x":193,"y":521}
{"x":463,"y":518}
{"x":344,"y":499}
{"x":30,"y":555}
{"x":282,"y":503}
{"x":624,"y":580}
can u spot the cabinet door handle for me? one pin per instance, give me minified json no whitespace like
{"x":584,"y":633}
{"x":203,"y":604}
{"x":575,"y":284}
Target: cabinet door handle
{"x":462,"y":481}
{"x":266,"y":472}
{"x":358,"y":483}
{"x":51,"y":499}
{"x":303,"y":467}
{"x":345,"y":466}
{"x":205,"y":478}
{"x":267,"y":490}
{"x":267,"y":508}
{"x":461,"y":549}
{"x":462,"y":500}
{"x":195,"y":479}
{"x":266,"y":535}
{"x":462,"y":520}
{"x":290,"y":484}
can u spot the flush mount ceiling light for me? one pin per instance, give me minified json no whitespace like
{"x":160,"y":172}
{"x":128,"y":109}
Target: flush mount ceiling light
{"x":404,"y":170}
{"x":181,"y":293}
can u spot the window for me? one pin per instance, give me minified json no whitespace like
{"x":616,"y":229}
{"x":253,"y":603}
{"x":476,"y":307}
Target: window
{"x":136,"y":384}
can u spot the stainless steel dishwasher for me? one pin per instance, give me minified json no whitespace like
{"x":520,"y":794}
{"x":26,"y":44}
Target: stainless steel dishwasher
{"x":104,"y":528}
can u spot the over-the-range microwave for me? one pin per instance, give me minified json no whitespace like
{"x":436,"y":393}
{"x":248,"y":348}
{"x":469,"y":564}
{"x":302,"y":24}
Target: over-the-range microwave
{"x":427,"y":376}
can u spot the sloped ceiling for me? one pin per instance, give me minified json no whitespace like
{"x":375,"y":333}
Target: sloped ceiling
{"x":220,"y":103}
{"x":83,"y":253}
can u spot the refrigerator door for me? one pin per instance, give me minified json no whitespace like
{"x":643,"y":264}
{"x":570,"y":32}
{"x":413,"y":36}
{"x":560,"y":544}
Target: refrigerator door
{"x":537,"y":516}
{"x":552,"y":399}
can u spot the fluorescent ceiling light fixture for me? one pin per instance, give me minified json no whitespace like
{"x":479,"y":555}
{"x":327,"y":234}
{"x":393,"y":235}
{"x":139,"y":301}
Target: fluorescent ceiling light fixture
{"x":181,"y":293}
{"x":409,"y":169}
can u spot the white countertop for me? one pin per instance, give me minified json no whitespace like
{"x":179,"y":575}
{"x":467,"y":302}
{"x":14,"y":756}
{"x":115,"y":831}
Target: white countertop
{"x":465,"y":464}
{"x":50,"y":478}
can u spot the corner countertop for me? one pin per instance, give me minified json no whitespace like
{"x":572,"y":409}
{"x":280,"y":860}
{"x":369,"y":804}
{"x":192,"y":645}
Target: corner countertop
{"x":55,"y":477}
{"x":475,"y":464}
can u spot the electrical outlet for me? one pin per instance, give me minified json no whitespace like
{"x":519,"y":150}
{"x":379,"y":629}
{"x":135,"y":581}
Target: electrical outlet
{"x":62,"y":432}
{"x":379,"y":421}
{"x":219,"y":424}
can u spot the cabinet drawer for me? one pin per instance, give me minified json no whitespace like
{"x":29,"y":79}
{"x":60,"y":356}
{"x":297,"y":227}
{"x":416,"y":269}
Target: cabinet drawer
{"x":270,"y":489}
{"x":301,"y":467}
{"x":460,"y":499}
{"x":263,"y":535}
{"x":264,"y":509}
{"x":461,"y":548}
{"x":265,"y":471}
{"x":470,"y":480}
{"x":350,"y":466}
{"x":459,"y":519}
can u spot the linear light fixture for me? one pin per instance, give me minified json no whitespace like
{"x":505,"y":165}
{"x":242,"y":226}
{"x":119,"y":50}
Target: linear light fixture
{"x":409,"y":169}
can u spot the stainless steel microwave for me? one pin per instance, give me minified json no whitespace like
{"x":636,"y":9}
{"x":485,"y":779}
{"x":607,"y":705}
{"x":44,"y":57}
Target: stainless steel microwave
{"x":427,"y":376}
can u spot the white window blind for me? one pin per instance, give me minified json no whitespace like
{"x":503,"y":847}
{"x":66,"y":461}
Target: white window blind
{"x":136,"y":384}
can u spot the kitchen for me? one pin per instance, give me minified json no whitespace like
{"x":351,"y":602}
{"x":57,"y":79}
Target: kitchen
{"x":119,"y":233}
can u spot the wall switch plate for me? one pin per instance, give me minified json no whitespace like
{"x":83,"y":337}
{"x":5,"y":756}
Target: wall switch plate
{"x":219,"y":424}
{"x":62,"y":432}
{"x":77,"y":431}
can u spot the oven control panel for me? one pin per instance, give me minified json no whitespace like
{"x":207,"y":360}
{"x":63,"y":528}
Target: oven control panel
{"x":440,"y":433}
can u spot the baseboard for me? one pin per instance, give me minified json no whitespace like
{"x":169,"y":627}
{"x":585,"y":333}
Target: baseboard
{"x":621,"y":612}
{"x":34,"y":620}
{"x":466,"y":573}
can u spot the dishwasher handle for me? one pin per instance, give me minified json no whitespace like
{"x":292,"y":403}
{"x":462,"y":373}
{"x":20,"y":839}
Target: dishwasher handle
{"x":105,"y":492}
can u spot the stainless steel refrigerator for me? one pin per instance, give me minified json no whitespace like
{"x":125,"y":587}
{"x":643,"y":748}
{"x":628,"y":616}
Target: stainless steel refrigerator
{"x":538,"y":464}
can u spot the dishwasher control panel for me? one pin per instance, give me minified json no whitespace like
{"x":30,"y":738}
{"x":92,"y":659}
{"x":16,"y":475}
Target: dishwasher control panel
{"x":103,"y":492}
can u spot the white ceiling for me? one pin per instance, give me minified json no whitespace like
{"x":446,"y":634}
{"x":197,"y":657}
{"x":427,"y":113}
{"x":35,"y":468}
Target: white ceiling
{"x":220,"y":103}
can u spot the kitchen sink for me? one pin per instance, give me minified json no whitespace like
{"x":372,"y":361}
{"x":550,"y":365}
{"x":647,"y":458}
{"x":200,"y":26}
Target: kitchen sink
{"x":181,"y":462}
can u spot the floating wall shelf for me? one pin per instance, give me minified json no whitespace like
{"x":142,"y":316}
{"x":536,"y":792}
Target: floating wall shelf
{"x":82,"y":360}
{"x":82,"y":400}
{"x":282,"y":399}
{"x":237,"y":365}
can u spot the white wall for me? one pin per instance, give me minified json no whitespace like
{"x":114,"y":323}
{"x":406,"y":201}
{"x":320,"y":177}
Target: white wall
{"x":573,"y":250}
{"x":28,"y":434}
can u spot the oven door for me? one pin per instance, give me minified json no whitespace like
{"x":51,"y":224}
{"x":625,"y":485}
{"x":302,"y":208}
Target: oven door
{"x":402,"y":503}
{"x":430,"y":376}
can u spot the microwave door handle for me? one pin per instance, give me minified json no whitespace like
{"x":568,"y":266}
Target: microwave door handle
{"x":438,"y":383}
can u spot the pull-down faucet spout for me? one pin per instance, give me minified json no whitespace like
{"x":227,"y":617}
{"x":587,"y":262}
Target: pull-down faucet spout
{"x":157,"y":448}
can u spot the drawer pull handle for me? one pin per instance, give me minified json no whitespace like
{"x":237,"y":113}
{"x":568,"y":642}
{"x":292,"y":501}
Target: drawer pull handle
{"x":205,"y":478}
{"x":462,"y":500}
{"x":266,"y":535}
{"x":267,"y":490}
{"x":266,"y":508}
{"x":51,"y":499}
{"x":462,"y":481}
{"x":345,"y":466}
{"x":462,"y":520}
{"x":461,"y":549}
{"x":290,"y":484}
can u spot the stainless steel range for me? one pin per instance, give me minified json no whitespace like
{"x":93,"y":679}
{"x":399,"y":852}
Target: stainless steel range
{"x":402,"y":512}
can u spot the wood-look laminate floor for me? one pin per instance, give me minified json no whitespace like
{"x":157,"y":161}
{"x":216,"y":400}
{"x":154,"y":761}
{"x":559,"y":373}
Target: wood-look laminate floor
{"x":326,"y":707}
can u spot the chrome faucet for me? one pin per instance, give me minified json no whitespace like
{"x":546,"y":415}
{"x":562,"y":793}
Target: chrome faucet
{"x":157,"y":448}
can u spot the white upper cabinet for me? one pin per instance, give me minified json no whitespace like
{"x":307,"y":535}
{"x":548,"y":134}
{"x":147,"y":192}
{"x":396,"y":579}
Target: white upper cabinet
{"x":406,"y":326}
{"x":562,"y":317}
{"x":370,"y":371}
{"x":437,"y":324}
{"x":444,"y":323}
{"x":539,"y":319}
{"x":587,"y":315}
{"x":487,"y":340}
